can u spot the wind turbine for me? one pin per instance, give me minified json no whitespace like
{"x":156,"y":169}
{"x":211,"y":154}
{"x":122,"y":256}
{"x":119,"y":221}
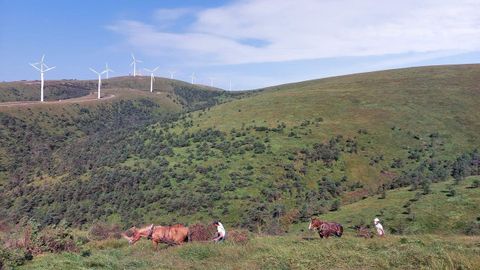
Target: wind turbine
{"x":134,"y":64}
{"x":230,"y":86}
{"x":193,"y":77}
{"x":42,"y":67}
{"x":107,"y":69}
{"x":152,"y":78}
{"x":211,"y":81}
{"x":172,"y":73}
{"x":99,"y":80}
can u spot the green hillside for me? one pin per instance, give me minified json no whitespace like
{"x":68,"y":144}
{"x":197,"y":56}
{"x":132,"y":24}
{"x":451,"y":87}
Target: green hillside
{"x":448,"y":208}
{"x":400,"y":144}
{"x":284,"y":153}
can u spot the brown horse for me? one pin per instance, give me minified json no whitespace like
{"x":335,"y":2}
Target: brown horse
{"x":171,"y":235}
{"x":325,"y":228}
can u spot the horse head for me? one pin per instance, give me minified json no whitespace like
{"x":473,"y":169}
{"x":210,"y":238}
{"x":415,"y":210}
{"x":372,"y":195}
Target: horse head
{"x":310,"y":225}
{"x":137,"y":234}
{"x":315,"y":223}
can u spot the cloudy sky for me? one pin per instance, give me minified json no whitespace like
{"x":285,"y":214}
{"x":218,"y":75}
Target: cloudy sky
{"x":252,"y":43}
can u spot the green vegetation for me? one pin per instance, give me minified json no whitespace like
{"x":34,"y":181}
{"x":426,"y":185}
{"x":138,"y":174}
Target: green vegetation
{"x":282,"y":154}
{"x":405,"y":211}
{"x":400,"y":144}
{"x":428,"y":248}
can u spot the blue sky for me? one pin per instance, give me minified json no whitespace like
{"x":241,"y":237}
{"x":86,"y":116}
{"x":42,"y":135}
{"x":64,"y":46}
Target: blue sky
{"x":250,"y":43}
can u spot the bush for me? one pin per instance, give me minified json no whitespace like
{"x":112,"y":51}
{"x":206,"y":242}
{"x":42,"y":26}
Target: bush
{"x":476,"y":183}
{"x":56,"y":239}
{"x":335,"y":205}
{"x":102,"y":231}
{"x":473,"y":228}
{"x":201,"y":232}
{"x":238,"y":236}
{"x":13,"y":257}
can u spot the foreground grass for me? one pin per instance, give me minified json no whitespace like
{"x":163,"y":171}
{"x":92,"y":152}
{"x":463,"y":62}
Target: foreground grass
{"x":283,"y":252}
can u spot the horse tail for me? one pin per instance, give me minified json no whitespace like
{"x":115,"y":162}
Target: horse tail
{"x":189,"y":235}
{"x":340,"y":230}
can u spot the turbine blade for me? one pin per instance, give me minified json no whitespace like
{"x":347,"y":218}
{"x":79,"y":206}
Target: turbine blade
{"x":155,"y":69}
{"x":49,"y":69}
{"x":43,"y":57}
{"x":93,"y":70}
{"x":35,"y":67}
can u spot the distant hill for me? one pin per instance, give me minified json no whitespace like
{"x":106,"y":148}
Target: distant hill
{"x":255,"y":160}
{"x":65,"y":89}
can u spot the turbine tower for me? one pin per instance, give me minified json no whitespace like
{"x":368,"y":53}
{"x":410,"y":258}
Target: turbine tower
{"x":193,"y":77}
{"x":134,"y":64}
{"x":107,"y":69}
{"x":211,"y":81}
{"x":42,"y":68}
{"x":99,"y":80}
{"x":172,"y":73}
{"x":230,"y":86}
{"x":152,"y":78}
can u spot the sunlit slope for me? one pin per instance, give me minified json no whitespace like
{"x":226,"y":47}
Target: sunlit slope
{"x":444,"y":99}
{"x":398,"y":109}
{"x":448,"y":208}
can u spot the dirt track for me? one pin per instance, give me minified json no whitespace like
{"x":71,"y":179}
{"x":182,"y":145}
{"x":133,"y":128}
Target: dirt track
{"x":64,"y":101}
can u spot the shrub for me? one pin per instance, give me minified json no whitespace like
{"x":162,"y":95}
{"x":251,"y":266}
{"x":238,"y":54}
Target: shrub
{"x":102,"y":231}
{"x":238,"y":236}
{"x":476,"y":183}
{"x":335,"y":205}
{"x":13,"y":257}
{"x":473,"y":228}
{"x":56,"y":239}
{"x":201,"y":232}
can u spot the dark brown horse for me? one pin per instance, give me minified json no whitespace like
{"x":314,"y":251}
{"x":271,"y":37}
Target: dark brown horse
{"x":325,"y":228}
{"x":171,"y":235}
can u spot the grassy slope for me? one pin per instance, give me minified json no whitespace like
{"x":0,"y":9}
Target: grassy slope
{"x":289,"y":252}
{"x":46,"y":115}
{"x":417,"y":101}
{"x":415,"y":251}
{"x":420,"y":101}
{"x":433,"y":213}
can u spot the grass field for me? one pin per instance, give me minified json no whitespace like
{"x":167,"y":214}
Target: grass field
{"x":284,"y":252}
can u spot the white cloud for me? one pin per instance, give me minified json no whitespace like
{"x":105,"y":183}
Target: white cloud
{"x":307,"y":29}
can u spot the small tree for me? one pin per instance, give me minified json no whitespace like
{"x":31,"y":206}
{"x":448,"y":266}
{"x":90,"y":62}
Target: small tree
{"x":335,"y":205}
{"x":426,"y":187}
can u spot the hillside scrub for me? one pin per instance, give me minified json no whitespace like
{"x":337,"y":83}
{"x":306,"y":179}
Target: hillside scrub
{"x":133,"y":161}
